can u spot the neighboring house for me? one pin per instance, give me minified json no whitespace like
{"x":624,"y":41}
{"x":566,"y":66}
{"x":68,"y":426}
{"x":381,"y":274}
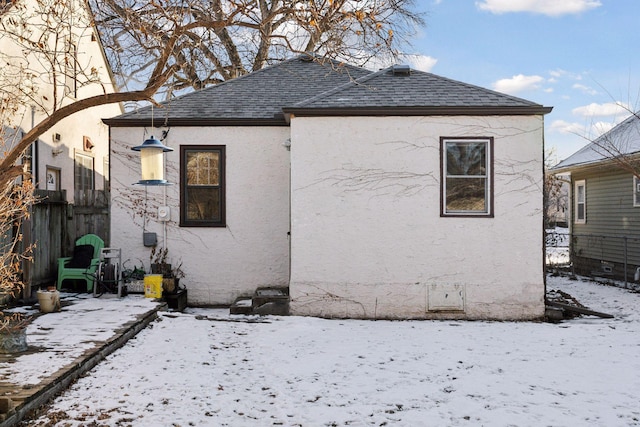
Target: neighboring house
{"x":390,"y":194}
{"x":605,"y":202}
{"x":74,"y":154}
{"x":71,"y":158}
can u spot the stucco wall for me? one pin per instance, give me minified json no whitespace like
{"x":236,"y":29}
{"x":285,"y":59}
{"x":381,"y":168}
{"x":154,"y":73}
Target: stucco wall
{"x":220,"y":263}
{"x":60,"y":154}
{"x":367,"y":236}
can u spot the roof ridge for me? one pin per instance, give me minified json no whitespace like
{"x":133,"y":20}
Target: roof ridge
{"x":484,"y":89}
{"x":209,"y":88}
{"x":375,"y":74}
{"x":339,"y":88}
{"x":310,"y":56}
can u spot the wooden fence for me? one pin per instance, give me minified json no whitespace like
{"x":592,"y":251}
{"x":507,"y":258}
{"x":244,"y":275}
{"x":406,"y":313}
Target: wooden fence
{"x":55,"y":225}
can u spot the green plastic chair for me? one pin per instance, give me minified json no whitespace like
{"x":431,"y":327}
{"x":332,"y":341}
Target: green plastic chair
{"x":66,"y":269}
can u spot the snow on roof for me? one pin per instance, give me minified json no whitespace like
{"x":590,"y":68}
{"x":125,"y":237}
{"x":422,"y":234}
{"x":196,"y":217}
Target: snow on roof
{"x":623,"y":139}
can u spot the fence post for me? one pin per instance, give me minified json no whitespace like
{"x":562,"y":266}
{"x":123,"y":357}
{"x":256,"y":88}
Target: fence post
{"x":624,"y":238}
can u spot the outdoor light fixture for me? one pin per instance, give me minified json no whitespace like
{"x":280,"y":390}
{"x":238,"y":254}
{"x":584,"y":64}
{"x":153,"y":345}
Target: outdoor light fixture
{"x":151,"y":162}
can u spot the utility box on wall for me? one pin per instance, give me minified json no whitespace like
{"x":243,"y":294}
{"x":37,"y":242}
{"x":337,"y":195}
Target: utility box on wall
{"x":445,"y":297}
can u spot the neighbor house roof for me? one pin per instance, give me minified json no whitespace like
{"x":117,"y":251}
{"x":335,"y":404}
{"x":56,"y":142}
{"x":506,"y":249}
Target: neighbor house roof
{"x":623,"y":139}
{"x":310,"y":86}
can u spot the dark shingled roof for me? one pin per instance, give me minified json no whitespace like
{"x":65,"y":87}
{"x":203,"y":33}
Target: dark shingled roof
{"x":311,"y":87}
{"x":257,"y":97}
{"x":403,"y":91}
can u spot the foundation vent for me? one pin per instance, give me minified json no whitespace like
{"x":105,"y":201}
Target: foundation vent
{"x":445,"y":297}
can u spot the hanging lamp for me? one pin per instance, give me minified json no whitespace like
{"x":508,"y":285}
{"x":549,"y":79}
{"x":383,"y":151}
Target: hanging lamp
{"x":152,"y":161}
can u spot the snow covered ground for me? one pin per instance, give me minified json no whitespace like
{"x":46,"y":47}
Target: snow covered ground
{"x":207,"y":368}
{"x":63,"y":337}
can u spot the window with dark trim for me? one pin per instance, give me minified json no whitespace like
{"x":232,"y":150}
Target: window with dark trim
{"x":467,"y":177}
{"x":202,"y":186}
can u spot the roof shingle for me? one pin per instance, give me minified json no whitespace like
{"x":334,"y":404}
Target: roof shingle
{"x":305,"y":86}
{"x":386,"y":88}
{"x":257,"y":96}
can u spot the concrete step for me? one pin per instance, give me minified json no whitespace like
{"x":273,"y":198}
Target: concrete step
{"x":265,"y":301}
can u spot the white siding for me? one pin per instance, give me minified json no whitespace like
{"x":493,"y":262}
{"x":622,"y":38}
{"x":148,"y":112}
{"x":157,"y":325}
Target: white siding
{"x":367,"y":236}
{"x":220,"y":263}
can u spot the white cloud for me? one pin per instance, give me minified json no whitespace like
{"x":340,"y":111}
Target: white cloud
{"x":544,"y":7}
{"x":566,"y":127}
{"x":585,"y":89}
{"x":557,"y":73}
{"x":420,"y":62}
{"x":608,"y":109}
{"x":518,"y":83}
{"x":587,"y":130}
{"x":416,"y":62}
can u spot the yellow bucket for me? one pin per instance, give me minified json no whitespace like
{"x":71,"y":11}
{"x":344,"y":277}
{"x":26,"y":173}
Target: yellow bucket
{"x":153,"y":286}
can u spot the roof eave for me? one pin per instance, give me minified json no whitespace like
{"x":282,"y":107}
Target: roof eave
{"x":194,"y":122}
{"x":601,"y":163}
{"x":418,"y":111}
{"x":597,"y":163}
{"x":282,"y":120}
{"x":572,"y":168}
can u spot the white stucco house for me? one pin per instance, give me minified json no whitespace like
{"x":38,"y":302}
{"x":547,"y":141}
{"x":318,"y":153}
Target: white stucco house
{"x":392,"y":194}
{"x":73,"y":154}
{"x":52,"y":57}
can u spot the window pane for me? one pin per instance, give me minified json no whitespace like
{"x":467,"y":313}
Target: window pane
{"x":83,"y":172}
{"x":581,"y":211}
{"x":202,"y":186}
{"x":203,"y":204}
{"x":203,"y":168}
{"x":466,"y":158}
{"x":580,"y":189}
{"x":466,"y":194}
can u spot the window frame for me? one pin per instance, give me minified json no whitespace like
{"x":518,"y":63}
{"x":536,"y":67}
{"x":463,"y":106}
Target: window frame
{"x":91,"y":175}
{"x":184,"y":222}
{"x":488,"y":176}
{"x":56,"y":174}
{"x":576,"y":217}
{"x":636,"y":192}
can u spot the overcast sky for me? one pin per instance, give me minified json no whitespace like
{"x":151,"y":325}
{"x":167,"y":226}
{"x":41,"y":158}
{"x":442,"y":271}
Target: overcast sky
{"x":579,"y":56}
